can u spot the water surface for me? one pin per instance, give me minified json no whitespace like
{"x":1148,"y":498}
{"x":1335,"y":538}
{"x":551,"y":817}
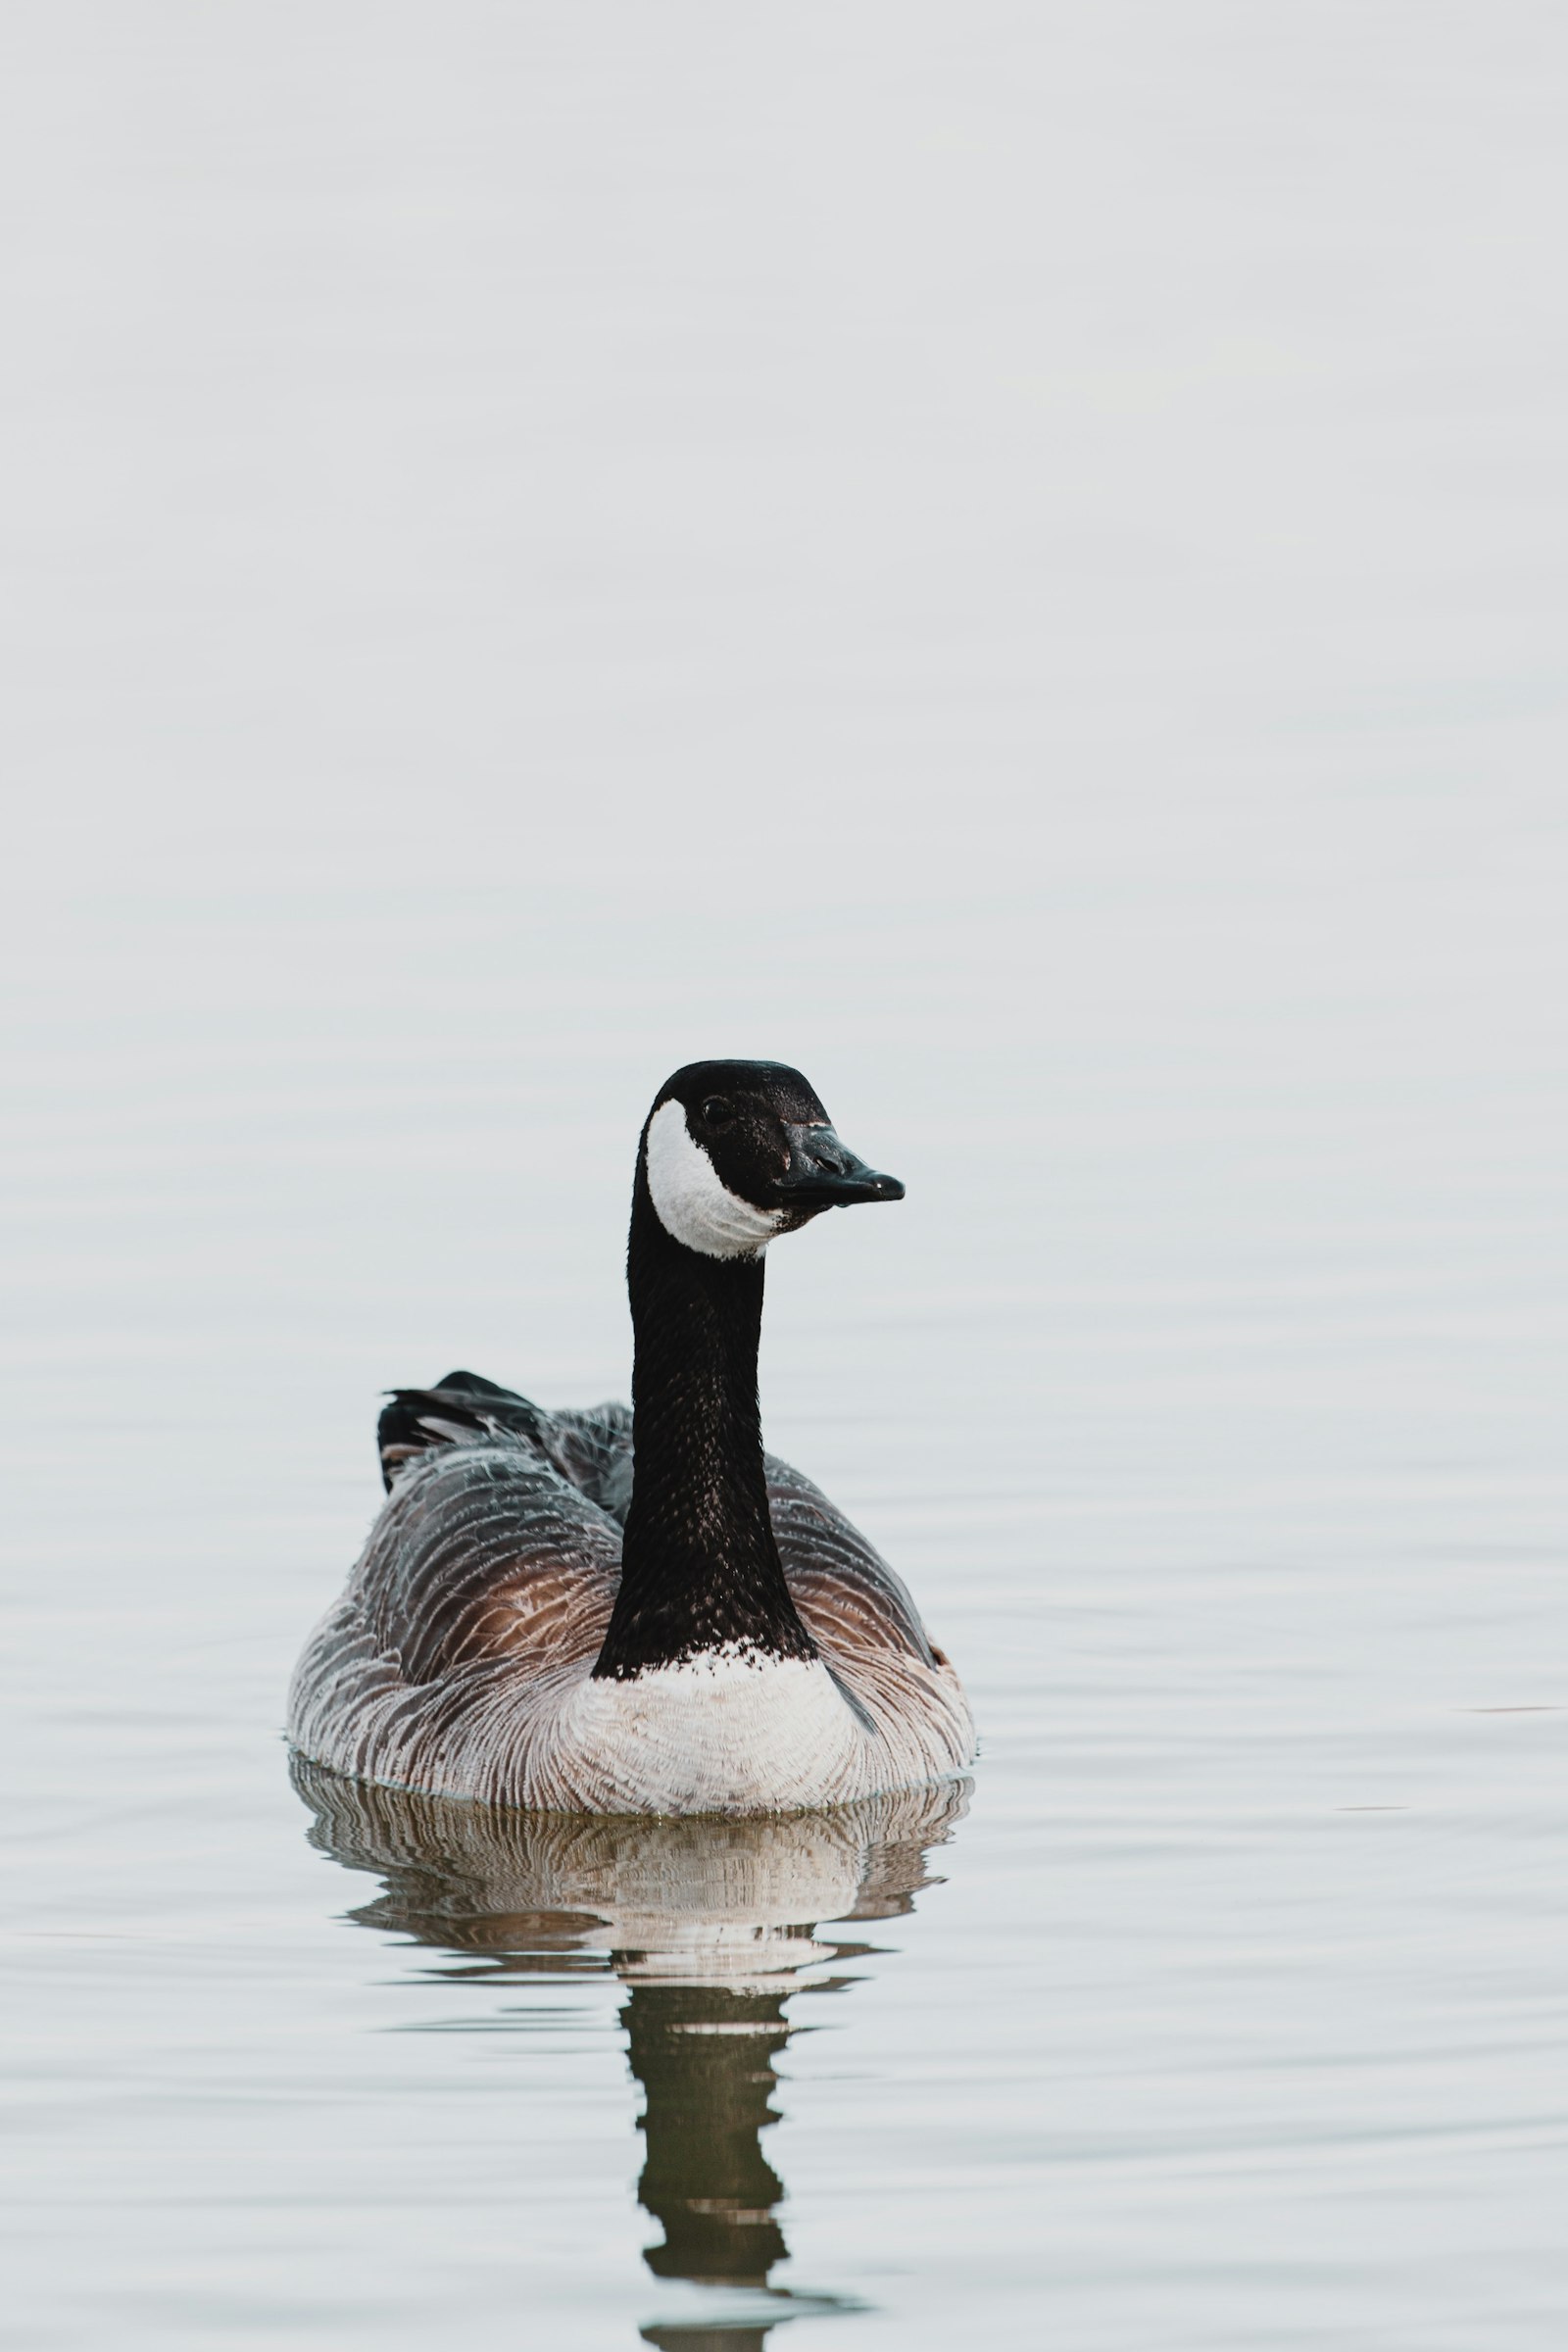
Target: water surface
{"x":1016,"y":565}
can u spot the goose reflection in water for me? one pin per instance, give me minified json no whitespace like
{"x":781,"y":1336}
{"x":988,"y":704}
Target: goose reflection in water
{"x":712,"y":1925}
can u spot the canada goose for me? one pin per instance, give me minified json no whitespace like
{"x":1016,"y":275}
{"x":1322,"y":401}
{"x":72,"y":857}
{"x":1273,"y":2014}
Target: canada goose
{"x":607,"y":1611}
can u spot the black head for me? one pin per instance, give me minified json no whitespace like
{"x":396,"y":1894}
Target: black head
{"x":736,"y":1152}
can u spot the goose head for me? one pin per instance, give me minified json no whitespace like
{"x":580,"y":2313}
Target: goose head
{"x":738,"y":1151}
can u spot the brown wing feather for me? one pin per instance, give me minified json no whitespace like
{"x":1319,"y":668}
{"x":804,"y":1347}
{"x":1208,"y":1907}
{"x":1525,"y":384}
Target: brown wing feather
{"x":487,"y":1575}
{"x":488,"y":1552}
{"x":853,"y":1604}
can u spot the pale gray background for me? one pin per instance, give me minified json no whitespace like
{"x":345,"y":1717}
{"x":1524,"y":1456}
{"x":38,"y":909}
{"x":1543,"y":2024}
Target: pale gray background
{"x":1014,"y":556}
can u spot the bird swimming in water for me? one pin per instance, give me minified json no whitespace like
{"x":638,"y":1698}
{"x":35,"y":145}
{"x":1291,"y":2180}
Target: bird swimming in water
{"x":614,"y":1611}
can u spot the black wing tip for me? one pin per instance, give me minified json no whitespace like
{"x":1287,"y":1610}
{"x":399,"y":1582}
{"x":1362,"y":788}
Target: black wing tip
{"x":466,"y":1400}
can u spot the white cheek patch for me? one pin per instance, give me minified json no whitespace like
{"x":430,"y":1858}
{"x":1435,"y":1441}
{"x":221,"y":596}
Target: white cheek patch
{"x":694,"y":1203}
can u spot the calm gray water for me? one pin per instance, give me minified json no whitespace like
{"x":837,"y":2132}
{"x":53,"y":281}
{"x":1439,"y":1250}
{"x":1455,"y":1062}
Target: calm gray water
{"x":1012,"y":558}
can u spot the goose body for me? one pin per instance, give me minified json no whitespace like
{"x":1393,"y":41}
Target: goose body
{"x":615,"y":1611}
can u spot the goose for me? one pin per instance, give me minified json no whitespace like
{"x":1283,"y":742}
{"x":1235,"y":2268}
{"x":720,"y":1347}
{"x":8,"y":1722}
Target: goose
{"x":624,"y":1613}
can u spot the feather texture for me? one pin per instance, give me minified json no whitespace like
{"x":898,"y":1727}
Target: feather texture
{"x":459,"y":1659}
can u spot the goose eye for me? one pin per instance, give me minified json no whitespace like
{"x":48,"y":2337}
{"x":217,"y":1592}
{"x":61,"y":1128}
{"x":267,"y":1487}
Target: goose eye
{"x":715,"y":1111}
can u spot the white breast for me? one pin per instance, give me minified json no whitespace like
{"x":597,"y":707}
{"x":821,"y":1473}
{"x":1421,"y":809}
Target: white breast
{"x":724,"y":1733}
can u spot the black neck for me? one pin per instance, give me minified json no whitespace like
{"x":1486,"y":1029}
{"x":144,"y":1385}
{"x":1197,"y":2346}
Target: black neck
{"x":700,"y":1568}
